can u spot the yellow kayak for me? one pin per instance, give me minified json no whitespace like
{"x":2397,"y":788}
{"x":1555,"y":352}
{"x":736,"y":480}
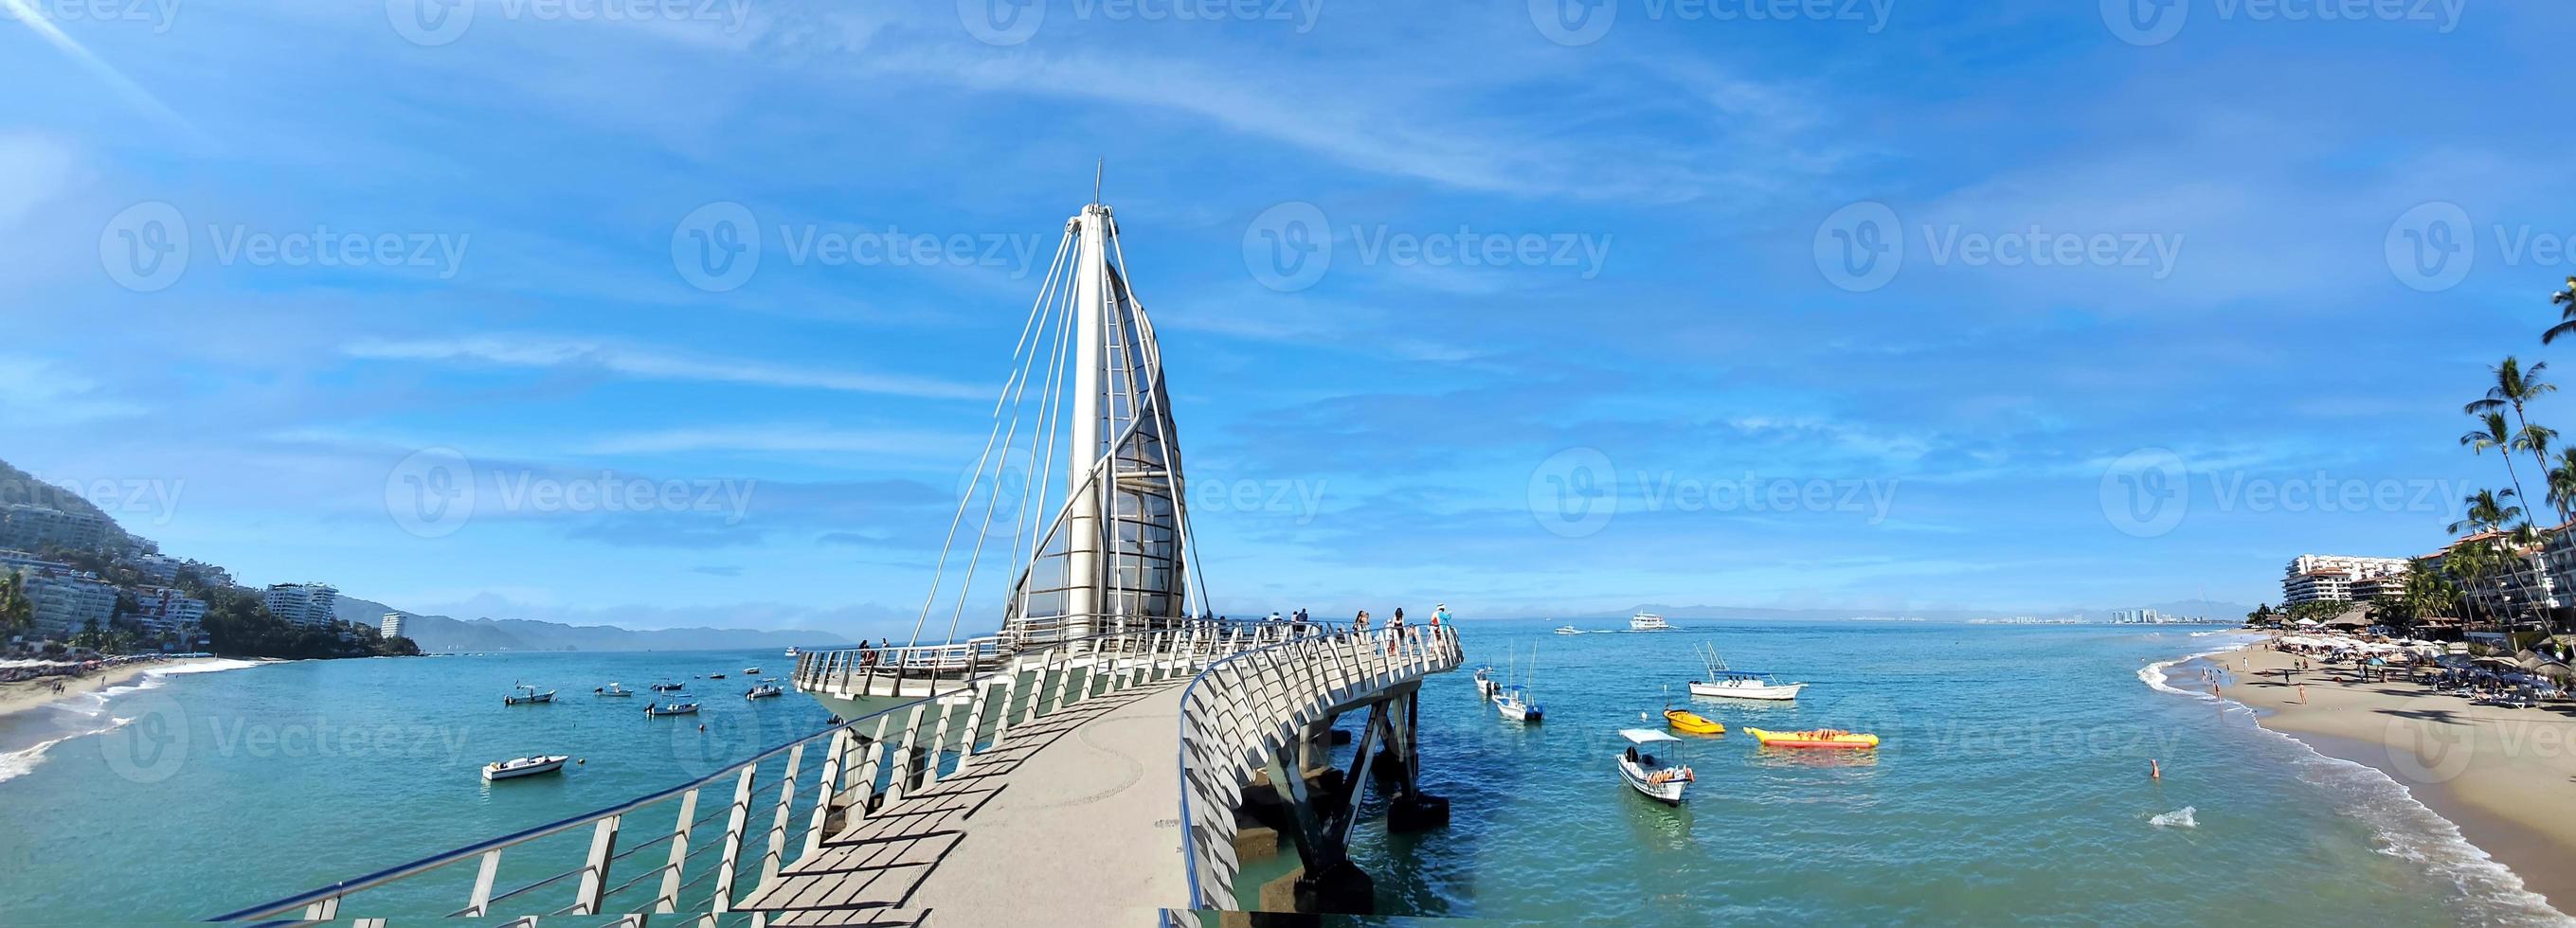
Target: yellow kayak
{"x":1691,"y":722}
{"x":1817,"y":738}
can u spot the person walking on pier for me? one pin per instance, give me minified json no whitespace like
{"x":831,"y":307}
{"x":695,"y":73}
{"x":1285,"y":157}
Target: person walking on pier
{"x":1359,"y":625}
{"x":1395,"y":631}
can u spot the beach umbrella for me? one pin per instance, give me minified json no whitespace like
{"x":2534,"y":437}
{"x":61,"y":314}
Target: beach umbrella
{"x":2500,"y":663}
{"x":2556,"y":671}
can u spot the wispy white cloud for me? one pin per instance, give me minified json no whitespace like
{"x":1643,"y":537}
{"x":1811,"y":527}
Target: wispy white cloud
{"x":650,"y":364}
{"x":37,"y":392}
{"x":788,"y":438}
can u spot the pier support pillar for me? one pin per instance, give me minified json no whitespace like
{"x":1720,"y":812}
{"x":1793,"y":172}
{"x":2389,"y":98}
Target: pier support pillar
{"x":1340,"y":889}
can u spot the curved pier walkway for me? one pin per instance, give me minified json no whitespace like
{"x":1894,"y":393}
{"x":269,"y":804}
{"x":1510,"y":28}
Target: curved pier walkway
{"x":1074,"y":816}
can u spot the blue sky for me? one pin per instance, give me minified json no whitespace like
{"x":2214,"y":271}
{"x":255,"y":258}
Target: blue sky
{"x":1591,"y":316}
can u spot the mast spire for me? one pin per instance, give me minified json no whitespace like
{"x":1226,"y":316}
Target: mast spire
{"x":1096,"y":170}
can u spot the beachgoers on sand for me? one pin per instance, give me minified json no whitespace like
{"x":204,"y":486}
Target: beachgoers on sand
{"x":2498,"y":768}
{"x":27,"y":684}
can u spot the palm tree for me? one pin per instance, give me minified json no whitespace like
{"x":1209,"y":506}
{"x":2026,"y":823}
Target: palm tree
{"x":17,"y":612}
{"x":2566,"y":302}
{"x":2470,"y":562}
{"x":2516,"y":385}
{"x":2497,"y":434}
{"x":2487,"y":510}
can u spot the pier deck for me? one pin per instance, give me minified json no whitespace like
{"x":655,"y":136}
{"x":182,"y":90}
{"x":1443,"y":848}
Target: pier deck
{"x":1076,"y":810}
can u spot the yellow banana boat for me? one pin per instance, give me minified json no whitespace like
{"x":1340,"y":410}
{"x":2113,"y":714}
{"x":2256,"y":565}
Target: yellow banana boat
{"x":1691,"y":722}
{"x":1817,"y":738}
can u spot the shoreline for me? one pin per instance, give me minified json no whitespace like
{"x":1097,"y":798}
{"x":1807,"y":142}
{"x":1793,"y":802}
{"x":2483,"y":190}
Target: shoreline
{"x":26,"y":696}
{"x":2497,"y":775}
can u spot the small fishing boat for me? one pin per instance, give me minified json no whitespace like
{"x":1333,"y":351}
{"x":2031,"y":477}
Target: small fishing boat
{"x":764,"y":691}
{"x":1515,"y":704}
{"x":1729,"y":683}
{"x":1485,"y":684}
{"x":715,"y":676}
{"x":667,"y":687}
{"x":523,"y":767}
{"x":1648,"y":622}
{"x":1654,"y":776}
{"x":791,"y":652}
{"x":613,"y":689}
{"x":527,"y":694}
{"x":676,"y":708}
{"x":751,"y":671}
{"x":1692,"y":722}
{"x":1813,"y":738}
{"x":1568,"y":630}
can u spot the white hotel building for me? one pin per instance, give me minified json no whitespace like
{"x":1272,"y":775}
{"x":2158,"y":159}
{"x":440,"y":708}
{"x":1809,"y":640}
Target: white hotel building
{"x":302,"y":604}
{"x":2312,"y":577}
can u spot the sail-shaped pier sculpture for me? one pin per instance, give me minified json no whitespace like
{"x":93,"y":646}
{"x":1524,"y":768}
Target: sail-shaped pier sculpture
{"x":1079,"y":485}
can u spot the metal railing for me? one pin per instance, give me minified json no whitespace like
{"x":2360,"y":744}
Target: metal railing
{"x":904,"y":747}
{"x":1258,"y":703}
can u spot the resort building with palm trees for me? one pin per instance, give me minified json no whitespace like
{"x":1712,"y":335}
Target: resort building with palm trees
{"x":2313,"y":577}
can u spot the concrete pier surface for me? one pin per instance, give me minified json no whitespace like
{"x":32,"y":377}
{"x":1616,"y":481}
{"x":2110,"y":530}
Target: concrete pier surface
{"x":1072,"y":822}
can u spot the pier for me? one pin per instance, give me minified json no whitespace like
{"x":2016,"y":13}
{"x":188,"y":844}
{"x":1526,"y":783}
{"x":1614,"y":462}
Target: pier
{"x":1103,"y":780}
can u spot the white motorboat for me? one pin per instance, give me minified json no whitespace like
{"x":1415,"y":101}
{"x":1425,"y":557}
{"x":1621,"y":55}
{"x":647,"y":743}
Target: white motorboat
{"x":523,"y":767}
{"x":1515,"y":704}
{"x":1648,"y":622}
{"x":791,"y":652}
{"x":676,"y":708}
{"x":1660,"y":778}
{"x":1568,"y":630}
{"x":527,"y":694}
{"x":1485,"y":684}
{"x":613,"y":689}
{"x":764,"y":691}
{"x":667,"y":687}
{"x":1728,"y":683}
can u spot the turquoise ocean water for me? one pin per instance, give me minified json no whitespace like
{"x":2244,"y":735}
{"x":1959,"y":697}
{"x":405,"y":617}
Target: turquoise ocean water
{"x":2012,"y":785}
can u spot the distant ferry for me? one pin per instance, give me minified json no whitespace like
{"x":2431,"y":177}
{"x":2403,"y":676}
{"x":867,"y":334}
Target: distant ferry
{"x":1648,"y":622}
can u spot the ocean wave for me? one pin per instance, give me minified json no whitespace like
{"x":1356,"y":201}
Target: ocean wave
{"x":83,"y":713}
{"x":2404,"y":826}
{"x":20,"y":762}
{"x":2178,"y":818}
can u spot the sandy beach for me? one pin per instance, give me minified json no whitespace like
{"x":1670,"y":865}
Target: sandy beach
{"x":23,"y":695}
{"x":2502,"y":775}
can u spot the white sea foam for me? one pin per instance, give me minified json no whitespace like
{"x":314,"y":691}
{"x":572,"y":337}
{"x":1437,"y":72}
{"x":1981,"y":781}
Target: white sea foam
{"x":2404,"y":827}
{"x":82,"y":713}
{"x":2178,"y":818}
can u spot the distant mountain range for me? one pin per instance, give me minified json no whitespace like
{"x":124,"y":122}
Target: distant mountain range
{"x":441,"y":634}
